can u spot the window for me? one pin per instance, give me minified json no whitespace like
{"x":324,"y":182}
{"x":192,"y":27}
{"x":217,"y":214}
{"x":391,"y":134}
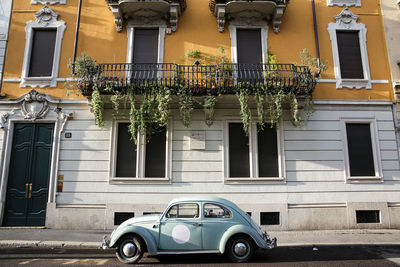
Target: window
{"x":120,"y":217}
{"x":255,"y":156}
{"x":344,"y":3}
{"x":349,"y":48}
{"x":145,"y":48}
{"x":361,"y":150}
{"x":249,"y":43}
{"x":216,"y":211}
{"x":349,"y":55}
{"x":185,"y":210}
{"x":42,"y":49}
{"x":149,"y":159}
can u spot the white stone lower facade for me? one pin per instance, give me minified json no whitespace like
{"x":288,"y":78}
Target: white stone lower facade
{"x":312,"y":192}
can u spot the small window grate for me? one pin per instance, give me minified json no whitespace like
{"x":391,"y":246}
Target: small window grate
{"x":368,"y":216}
{"x":120,"y":217}
{"x":269,"y":218}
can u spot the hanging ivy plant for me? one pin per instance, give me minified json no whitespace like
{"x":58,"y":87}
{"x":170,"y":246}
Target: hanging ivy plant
{"x":97,"y":106}
{"x":243,"y":93}
{"x":186,"y":104}
{"x":209,"y":107}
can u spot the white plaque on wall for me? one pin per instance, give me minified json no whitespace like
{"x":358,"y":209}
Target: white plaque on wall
{"x":198,"y":140}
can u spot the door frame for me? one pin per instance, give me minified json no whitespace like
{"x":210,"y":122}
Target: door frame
{"x":32,"y":107}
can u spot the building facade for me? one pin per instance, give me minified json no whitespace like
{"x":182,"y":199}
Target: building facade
{"x":337,"y":170}
{"x":5,"y":12}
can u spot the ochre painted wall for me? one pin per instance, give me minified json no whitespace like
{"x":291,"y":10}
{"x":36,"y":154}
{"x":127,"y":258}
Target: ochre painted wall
{"x":197,"y":29}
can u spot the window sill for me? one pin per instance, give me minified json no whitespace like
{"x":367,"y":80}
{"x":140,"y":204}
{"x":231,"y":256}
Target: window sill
{"x":38,"y":82}
{"x":364,"y":179}
{"x":353,"y":83}
{"x":261,"y":180}
{"x":132,"y":180}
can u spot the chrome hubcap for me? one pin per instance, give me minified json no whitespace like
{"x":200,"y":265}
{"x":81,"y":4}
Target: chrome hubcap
{"x":240,"y":249}
{"x":129,"y":249}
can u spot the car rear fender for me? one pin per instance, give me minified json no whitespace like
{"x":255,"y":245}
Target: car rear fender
{"x":135,"y":230}
{"x":241,"y":229}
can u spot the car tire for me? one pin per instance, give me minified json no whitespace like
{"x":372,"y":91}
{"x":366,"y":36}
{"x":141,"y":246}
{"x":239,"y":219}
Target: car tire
{"x":130,"y":249}
{"x":239,"y":249}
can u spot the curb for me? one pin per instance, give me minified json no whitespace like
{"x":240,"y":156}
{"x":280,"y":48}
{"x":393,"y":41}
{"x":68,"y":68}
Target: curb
{"x":44,"y":244}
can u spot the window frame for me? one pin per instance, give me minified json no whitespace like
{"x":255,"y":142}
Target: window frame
{"x":233,"y":34}
{"x":130,"y":29}
{"x":347,"y":21}
{"x":375,"y":150}
{"x":253,"y":155}
{"x":45,"y":19}
{"x":140,"y":157}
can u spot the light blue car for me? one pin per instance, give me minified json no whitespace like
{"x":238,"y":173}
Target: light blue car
{"x":190,"y":225}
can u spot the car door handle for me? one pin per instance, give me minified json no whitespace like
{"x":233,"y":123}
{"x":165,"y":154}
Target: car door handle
{"x":197,"y":224}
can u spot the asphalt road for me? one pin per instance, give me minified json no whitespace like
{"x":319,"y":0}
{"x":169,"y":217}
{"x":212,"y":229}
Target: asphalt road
{"x":281,"y":256}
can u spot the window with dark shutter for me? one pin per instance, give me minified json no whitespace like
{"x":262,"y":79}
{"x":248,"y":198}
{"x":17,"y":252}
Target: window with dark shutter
{"x":42,"y":53}
{"x":359,"y":142}
{"x":239,"y":161}
{"x":145,"y":47}
{"x":350,"y":55}
{"x":156,"y":155}
{"x":126,"y":152}
{"x":249,"y":46}
{"x":145,"y":54}
{"x":249,"y":53}
{"x":267,"y":152}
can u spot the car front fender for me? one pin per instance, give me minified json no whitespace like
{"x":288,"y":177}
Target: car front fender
{"x":241,"y":229}
{"x":136,"y":230}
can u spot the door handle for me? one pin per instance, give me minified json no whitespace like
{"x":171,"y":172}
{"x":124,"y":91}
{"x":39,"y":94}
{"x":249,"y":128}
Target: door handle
{"x":197,"y":224}
{"x":26,"y":190}
{"x":30,"y":190}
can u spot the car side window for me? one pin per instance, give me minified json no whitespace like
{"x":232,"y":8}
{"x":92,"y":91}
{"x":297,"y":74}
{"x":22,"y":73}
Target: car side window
{"x":184,"y":210}
{"x":216,"y":211}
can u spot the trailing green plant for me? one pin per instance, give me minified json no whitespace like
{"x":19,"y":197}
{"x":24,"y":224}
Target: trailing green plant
{"x":97,"y":107}
{"x":186,"y":104}
{"x":243,"y":93}
{"x":151,"y":114}
{"x":209,"y":105}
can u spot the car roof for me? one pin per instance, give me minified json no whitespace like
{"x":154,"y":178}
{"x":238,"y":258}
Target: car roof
{"x":205,"y":199}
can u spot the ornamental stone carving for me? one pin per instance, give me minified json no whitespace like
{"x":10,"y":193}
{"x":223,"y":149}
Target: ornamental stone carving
{"x":146,"y":12}
{"x":46,"y":16}
{"x":346,"y":18}
{"x":34,"y":106}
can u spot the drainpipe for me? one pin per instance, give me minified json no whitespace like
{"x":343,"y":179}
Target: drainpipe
{"x":78,"y":21}
{"x":316,"y":37}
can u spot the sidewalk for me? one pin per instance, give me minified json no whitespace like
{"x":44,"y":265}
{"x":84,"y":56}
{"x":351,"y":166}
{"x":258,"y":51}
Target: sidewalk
{"x":37,"y":237}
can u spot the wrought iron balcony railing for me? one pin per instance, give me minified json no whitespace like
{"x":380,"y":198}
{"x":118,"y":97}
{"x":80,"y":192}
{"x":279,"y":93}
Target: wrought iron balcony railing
{"x":201,"y":79}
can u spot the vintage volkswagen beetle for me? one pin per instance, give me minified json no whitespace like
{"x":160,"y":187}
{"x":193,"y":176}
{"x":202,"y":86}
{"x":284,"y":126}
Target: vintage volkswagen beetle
{"x":190,"y":225}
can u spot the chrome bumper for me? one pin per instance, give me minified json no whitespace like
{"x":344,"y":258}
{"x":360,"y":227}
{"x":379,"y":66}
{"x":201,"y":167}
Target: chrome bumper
{"x":106,"y":242}
{"x":270,"y":243}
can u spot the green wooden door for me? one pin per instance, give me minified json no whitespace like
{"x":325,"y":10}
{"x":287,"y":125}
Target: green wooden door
{"x":28,"y":180}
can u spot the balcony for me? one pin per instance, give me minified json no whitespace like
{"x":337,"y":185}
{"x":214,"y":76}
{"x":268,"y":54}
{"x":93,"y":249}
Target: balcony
{"x":146,"y":11}
{"x":201,"y":79}
{"x":249,"y":11}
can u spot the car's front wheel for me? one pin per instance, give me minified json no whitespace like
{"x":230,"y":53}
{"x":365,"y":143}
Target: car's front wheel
{"x":130,"y":249}
{"x":239,"y":249}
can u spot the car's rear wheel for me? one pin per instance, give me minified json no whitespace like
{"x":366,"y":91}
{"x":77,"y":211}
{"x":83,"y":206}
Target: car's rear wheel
{"x":130,"y":249}
{"x":239,"y":249}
